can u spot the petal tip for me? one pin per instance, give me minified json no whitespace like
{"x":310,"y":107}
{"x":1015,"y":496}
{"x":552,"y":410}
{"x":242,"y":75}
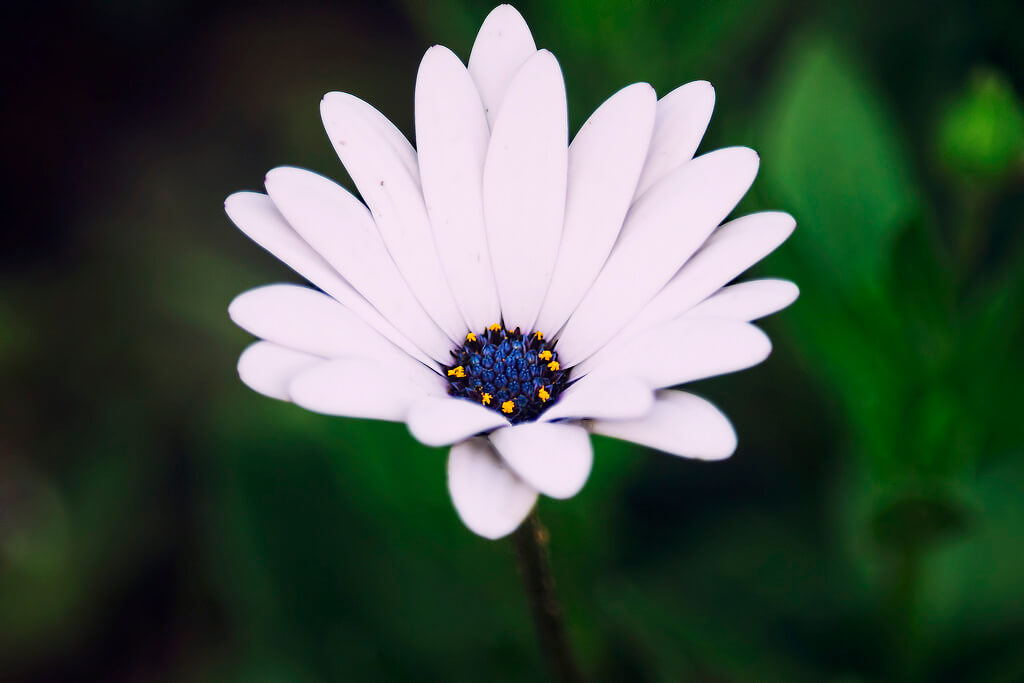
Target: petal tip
{"x":504,"y":12}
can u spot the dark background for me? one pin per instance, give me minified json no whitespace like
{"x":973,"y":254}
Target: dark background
{"x":161,"y":522}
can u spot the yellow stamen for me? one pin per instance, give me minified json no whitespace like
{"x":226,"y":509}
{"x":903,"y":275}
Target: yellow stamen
{"x":457,"y":371}
{"x":470,"y":337}
{"x":507,"y":407}
{"x":495,"y":328}
{"x":538,"y":335}
{"x":486,"y":399}
{"x":544,"y":355}
{"x":543,"y":395}
{"x":553,"y":366}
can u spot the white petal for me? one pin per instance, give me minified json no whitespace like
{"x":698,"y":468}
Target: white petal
{"x":269,"y":368}
{"x":732,"y":249}
{"x":680,"y":424}
{"x":604,"y":162}
{"x":360,"y":388}
{"x":442,"y":421}
{"x":503,"y":44}
{"x":524,"y":188}
{"x":595,"y":397}
{"x":683,"y":116}
{"x":490,"y":499}
{"x":748,"y":300}
{"x":376,"y":155}
{"x":306,"y":320}
{"x":663,"y":229}
{"x":256,"y":216}
{"x":452,"y":136}
{"x":553,"y":458}
{"x":340,"y":228}
{"x":684,"y":350}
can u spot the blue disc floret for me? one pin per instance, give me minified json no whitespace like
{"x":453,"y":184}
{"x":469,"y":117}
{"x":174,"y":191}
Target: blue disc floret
{"x":514,"y":374}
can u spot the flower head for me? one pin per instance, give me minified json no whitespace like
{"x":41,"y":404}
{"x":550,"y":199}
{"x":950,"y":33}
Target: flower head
{"x":505,"y":292}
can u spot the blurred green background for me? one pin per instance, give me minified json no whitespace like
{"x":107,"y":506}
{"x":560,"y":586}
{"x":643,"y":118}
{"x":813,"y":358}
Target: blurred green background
{"x":161,"y":522}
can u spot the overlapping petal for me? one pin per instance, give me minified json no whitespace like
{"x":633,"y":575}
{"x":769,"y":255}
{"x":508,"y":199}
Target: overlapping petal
{"x":256,"y":216}
{"x":596,"y":396}
{"x":306,"y":320}
{"x":489,"y":498}
{"x":502,"y":46}
{"x":732,"y":249}
{"x":604,"y":161}
{"x":440,"y":421}
{"x":452,"y":137}
{"x":748,"y":300}
{"x":663,"y":229}
{"x":378,"y":157}
{"x":683,"y":116}
{"x":684,"y":350}
{"x":553,"y":458}
{"x":355,"y":387}
{"x":341,"y":229}
{"x":524,"y":187}
{"x":269,"y":368}
{"x":680,"y":424}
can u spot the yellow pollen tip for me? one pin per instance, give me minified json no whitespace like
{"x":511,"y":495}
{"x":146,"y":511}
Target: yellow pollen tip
{"x":507,"y":407}
{"x":543,"y":395}
{"x":538,"y":335}
{"x":457,"y":372}
{"x":470,"y":337}
{"x":486,"y":399}
{"x":553,"y":365}
{"x":544,"y":355}
{"x":495,"y":328}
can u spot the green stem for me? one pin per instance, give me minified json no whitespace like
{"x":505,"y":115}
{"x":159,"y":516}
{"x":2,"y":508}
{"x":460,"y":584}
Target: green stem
{"x":531,"y":541}
{"x":906,"y":574}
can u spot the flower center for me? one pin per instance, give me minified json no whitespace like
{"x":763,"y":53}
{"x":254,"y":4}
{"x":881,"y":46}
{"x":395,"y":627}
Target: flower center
{"x":516,"y":375}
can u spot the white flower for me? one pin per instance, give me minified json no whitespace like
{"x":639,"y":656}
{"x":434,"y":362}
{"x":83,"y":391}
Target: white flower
{"x":607,"y":254}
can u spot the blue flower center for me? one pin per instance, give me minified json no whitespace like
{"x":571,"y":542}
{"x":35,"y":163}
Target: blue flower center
{"x":517,"y":375}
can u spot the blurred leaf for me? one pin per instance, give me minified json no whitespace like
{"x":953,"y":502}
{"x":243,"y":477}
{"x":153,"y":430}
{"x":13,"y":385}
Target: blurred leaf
{"x":834,"y":159}
{"x":988,"y":371}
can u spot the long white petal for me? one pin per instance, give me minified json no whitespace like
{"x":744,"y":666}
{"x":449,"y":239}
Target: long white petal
{"x":440,"y":421}
{"x":732,"y":249}
{"x":269,"y":368}
{"x":605,"y":159}
{"x":684,"y":350}
{"x":361,"y":388}
{"x":341,"y":229}
{"x":747,"y":300}
{"x":452,"y":137}
{"x":683,"y":116}
{"x":680,"y":424}
{"x":376,"y":155}
{"x":663,"y":229}
{"x":489,"y":499}
{"x":553,"y":458}
{"x":595,"y":397}
{"x":307,"y":320}
{"x":503,"y":44}
{"x":256,"y":216}
{"x":524,"y":188}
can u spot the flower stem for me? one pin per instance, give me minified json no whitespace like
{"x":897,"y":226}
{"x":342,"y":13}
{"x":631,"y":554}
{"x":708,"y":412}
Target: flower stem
{"x":531,"y":540}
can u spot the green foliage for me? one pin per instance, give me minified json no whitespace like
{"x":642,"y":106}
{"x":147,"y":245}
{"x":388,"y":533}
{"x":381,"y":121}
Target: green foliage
{"x":833,"y":157}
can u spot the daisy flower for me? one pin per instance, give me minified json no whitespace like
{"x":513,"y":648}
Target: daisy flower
{"x":504,"y":292}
